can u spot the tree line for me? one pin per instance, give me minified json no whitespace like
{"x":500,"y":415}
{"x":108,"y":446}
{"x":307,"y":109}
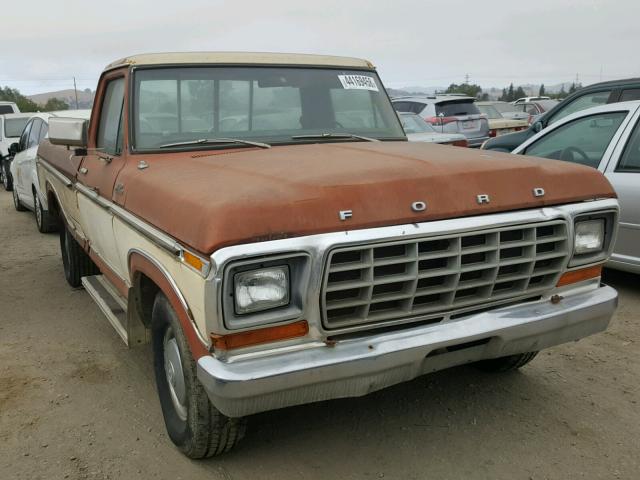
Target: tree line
{"x":510,"y":93}
{"x":25,"y":104}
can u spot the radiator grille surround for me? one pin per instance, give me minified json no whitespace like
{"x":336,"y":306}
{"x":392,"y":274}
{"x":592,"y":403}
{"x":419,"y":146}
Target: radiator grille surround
{"x":380,"y":283}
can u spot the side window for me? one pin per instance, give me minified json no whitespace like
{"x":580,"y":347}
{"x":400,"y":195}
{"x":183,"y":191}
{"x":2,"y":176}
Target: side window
{"x":416,"y":107}
{"x":630,"y":159}
{"x":25,"y":136}
{"x":630,"y":94}
{"x":34,"y":135}
{"x":589,"y":100}
{"x":110,"y":131}
{"x":43,"y":131}
{"x":582,"y":141}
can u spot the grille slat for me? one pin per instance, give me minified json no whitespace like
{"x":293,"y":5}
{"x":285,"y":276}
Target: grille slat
{"x":386,"y":282}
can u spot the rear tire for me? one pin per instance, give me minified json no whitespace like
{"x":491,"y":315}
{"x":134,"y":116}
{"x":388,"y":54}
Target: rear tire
{"x":7,"y":180}
{"x":16,"y":202}
{"x":76,"y":262}
{"x":194,"y":425}
{"x":44,"y":220}
{"x":506,"y":364}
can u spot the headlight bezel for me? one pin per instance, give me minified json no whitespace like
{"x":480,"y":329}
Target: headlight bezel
{"x":298,"y":265}
{"x":583,"y":259}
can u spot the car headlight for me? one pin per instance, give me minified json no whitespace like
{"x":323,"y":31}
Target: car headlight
{"x":589,"y":236}
{"x":264,"y":289}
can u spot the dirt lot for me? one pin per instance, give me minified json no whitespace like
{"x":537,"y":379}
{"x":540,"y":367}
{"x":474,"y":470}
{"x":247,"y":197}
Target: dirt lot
{"x":75,"y":403}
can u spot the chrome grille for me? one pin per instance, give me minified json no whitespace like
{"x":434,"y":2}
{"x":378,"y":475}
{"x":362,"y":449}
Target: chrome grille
{"x":385,"y":282}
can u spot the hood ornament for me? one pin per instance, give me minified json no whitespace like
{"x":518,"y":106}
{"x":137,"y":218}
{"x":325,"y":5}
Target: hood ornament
{"x":483,"y":198}
{"x":419,"y":206}
{"x":538,"y":192}
{"x":345,"y":214}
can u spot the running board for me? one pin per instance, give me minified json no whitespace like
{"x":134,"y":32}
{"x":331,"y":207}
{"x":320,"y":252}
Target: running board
{"x":114,"y":307}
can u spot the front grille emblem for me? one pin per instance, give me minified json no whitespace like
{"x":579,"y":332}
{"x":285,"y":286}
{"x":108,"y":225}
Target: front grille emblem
{"x":418,"y":206}
{"x":345,"y":214}
{"x":538,"y":192}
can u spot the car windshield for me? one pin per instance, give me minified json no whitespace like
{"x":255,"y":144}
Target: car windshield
{"x":414,"y":124}
{"x":269,"y":105}
{"x":490,"y":111}
{"x":547,"y":104}
{"x":13,"y":126}
{"x":506,"y":107}
{"x":454,"y":108}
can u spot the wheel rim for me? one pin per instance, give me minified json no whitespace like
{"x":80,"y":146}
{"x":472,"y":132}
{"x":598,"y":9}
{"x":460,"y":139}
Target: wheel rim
{"x":38,"y":209}
{"x":174,"y":373}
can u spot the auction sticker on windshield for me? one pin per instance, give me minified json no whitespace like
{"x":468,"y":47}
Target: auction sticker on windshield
{"x":358,"y":82}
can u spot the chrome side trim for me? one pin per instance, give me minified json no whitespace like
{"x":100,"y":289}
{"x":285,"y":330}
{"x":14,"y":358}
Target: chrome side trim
{"x":174,"y":286}
{"x":49,"y":168}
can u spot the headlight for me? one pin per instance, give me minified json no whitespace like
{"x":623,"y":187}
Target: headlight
{"x":263,"y":289}
{"x":589,"y":237}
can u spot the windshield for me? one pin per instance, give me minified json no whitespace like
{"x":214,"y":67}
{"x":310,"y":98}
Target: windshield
{"x":547,"y":104}
{"x":414,"y":124}
{"x":506,"y":107}
{"x":270,"y":105}
{"x":490,"y":111}
{"x":457,"y":108}
{"x":13,"y":126}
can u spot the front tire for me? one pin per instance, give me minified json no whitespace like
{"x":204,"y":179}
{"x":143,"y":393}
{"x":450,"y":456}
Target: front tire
{"x":44,"y":220}
{"x":17,"y":204}
{"x":506,"y":364}
{"x":194,"y":425}
{"x":7,"y":180}
{"x":76,"y":262}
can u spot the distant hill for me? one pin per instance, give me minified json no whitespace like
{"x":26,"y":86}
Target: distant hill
{"x":85,"y":97}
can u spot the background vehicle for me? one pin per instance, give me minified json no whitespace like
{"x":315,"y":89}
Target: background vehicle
{"x":418,"y":130}
{"x":606,"y":138}
{"x":530,"y":99}
{"x":448,"y":114}
{"x":8,"y":107}
{"x":534,"y":108}
{"x":509,"y":110}
{"x":11,"y":127}
{"x":26,"y":188}
{"x":498,"y":124}
{"x":590,"y":96}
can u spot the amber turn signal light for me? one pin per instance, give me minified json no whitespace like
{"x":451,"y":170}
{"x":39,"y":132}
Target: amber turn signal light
{"x":260,"y":336}
{"x":576,"y":276}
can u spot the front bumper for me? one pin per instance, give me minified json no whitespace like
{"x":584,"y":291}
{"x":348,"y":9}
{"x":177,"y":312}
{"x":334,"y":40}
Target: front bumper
{"x":355,"y":367}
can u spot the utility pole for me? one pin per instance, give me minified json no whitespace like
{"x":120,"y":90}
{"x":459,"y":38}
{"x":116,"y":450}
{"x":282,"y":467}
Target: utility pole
{"x":466,"y":78}
{"x":76,"y":90}
{"x":577,"y":80}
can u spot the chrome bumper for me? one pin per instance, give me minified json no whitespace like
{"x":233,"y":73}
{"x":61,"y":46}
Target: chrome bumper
{"x":355,"y":367}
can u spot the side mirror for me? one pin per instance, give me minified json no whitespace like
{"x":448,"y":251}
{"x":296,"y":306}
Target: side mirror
{"x":537,"y":126}
{"x":71,"y":132}
{"x":14,"y":148}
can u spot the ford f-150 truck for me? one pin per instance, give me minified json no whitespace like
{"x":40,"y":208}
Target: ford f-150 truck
{"x":262,"y":221}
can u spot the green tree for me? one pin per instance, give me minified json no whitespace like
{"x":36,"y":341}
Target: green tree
{"x":8,"y":94}
{"x":510,"y":94}
{"x":541,"y":92}
{"x":466,"y":89}
{"x":54,"y":104}
{"x":519,"y":93}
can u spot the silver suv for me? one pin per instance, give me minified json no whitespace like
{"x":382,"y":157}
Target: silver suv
{"x":448,"y":113}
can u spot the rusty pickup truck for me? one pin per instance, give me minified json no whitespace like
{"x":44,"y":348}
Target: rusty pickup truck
{"x":261,"y":220}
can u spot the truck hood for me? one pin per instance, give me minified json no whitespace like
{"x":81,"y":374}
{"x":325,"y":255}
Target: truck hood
{"x":212,"y":199}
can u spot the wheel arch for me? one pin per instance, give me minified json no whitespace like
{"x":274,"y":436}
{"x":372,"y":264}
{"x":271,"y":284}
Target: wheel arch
{"x":148,"y":277}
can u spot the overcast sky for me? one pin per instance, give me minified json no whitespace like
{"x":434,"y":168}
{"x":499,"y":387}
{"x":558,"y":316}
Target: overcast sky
{"x":421,"y":42}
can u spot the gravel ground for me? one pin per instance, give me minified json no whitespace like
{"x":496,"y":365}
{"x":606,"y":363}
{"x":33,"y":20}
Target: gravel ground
{"x":75,"y":403}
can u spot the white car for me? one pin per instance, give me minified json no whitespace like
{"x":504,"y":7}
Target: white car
{"x":606,"y":138}
{"x":11,"y":126}
{"x":8,"y":107}
{"x":26,"y":188}
{"x":418,"y":130}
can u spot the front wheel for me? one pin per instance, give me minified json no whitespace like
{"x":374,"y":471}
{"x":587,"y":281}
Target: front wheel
{"x":7,"y":181}
{"x":17,"y":204}
{"x":506,"y":364}
{"x":194,"y":425}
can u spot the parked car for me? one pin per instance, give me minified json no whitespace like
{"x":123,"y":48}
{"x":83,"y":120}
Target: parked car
{"x":509,"y":110}
{"x":26,"y":188}
{"x":606,"y":138}
{"x":590,"y":96}
{"x":498,"y":124}
{"x":11,"y":127}
{"x":8,"y":107}
{"x":452,"y":113}
{"x":418,"y":130}
{"x":321,"y":257}
{"x":534,"y":108}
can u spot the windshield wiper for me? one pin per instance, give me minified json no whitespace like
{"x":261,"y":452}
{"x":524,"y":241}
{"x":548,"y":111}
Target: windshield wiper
{"x":206,"y":141}
{"x":334,"y":135}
